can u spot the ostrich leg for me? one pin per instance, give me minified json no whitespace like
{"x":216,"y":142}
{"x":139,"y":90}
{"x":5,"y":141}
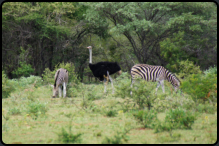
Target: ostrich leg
{"x":111,"y":80}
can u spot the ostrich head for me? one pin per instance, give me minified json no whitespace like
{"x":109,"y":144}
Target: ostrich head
{"x":89,"y":47}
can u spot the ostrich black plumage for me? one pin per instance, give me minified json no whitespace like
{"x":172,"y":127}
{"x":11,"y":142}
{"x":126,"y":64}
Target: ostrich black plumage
{"x":103,"y":70}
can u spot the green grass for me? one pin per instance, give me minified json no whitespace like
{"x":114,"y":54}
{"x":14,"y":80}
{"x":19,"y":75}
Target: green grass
{"x":101,"y":120}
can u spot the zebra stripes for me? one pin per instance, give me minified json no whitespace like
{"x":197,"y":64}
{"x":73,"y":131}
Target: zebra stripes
{"x":61,"y":79}
{"x":154,"y":73}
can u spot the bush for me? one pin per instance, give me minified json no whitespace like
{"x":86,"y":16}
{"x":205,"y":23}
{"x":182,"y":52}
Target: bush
{"x":24,"y":70}
{"x":206,"y":108}
{"x":187,"y":67}
{"x":7,"y":86}
{"x":68,"y":137}
{"x":164,"y":102}
{"x":147,"y":118}
{"x":117,"y":139}
{"x":211,"y":70}
{"x":14,"y":111}
{"x":141,"y":91}
{"x":200,"y":86}
{"x":25,"y":81}
{"x":180,"y":119}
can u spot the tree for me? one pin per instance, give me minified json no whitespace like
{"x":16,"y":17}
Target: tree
{"x":48,"y":32}
{"x":146,"y":24}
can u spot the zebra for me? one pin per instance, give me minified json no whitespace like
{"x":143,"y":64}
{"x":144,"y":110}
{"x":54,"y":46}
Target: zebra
{"x":154,"y":73}
{"x":61,"y":79}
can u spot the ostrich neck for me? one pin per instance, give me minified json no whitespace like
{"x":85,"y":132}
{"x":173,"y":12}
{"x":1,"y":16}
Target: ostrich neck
{"x":90,"y":56}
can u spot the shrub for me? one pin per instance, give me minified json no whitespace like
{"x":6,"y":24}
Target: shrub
{"x":123,"y":85}
{"x":25,"y":81}
{"x":110,"y":112}
{"x":200,"y":86}
{"x":14,"y":111}
{"x":211,"y":70}
{"x":24,"y":70}
{"x":7,"y":86}
{"x":141,"y":91}
{"x":68,"y":137}
{"x":206,"y":108}
{"x":164,"y":102}
{"x":180,"y":119}
{"x":187,"y":67}
{"x":147,"y":118}
{"x":117,"y":139}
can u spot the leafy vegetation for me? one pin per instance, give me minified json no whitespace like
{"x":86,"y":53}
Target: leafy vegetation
{"x":39,"y":38}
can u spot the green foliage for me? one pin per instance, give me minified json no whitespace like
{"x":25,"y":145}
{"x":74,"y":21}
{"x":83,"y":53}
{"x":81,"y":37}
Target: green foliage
{"x":36,"y":109}
{"x":141,"y":90}
{"x":69,"y":137}
{"x":200,"y":86}
{"x":24,"y":70}
{"x":119,"y":138}
{"x":165,"y":102}
{"x":111,"y":112}
{"x":123,"y":85}
{"x":211,"y":70}
{"x":187,"y":67}
{"x":7,"y":86}
{"x":36,"y":80}
{"x":147,"y":118}
{"x":206,"y":108}
{"x":142,"y":93}
{"x":175,"y":119}
{"x":180,"y":119}
{"x":14,"y":111}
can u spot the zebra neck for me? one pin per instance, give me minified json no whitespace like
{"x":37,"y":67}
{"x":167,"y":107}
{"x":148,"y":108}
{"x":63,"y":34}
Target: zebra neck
{"x":90,"y":56}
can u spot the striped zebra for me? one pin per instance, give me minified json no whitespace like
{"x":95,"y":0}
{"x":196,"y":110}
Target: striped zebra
{"x":61,"y":80}
{"x":154,"y":73}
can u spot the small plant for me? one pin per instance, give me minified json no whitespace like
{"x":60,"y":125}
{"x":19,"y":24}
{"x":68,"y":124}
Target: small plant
{"x":14,"y":111}
{"x":69,"y":137}
{"x":66,"y":137}
{"x":111,"y":113}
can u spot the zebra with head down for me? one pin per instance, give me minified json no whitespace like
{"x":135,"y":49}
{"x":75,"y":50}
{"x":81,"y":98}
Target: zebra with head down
{"x":154,"y":73}
{"x":61,"y":80}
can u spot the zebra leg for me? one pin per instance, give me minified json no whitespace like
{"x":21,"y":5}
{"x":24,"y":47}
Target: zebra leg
{"x":158,"y":85}
{"x":64,"y":89}
{"x":162,"y":85}
{"x":60,"y":91}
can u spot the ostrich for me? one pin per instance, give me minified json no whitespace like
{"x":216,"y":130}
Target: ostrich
{"x":103,"y":70}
